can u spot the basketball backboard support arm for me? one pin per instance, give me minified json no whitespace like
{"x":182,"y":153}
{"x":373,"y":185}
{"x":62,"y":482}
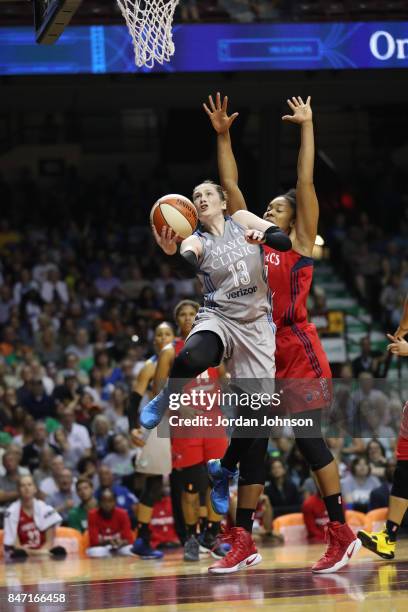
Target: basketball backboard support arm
{"x":51,"y":18}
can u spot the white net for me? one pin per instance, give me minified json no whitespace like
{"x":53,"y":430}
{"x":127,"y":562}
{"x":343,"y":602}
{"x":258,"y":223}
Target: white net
{"x":149,"y":23}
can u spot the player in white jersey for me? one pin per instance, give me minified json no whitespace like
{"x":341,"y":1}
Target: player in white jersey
{"x":234,"y":326}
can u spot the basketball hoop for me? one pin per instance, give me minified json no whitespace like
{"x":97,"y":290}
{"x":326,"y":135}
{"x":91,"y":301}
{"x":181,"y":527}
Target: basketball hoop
{"x":149,"y":23}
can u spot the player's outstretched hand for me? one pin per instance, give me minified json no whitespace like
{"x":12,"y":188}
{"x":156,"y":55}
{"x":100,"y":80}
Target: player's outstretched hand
{"x":167,"y":240}
{"x":400,"y":333}
{"x":302,"y":111}
{"x":218,"y":115}
{"x":254,"y":236}
{"x":398,"y":347}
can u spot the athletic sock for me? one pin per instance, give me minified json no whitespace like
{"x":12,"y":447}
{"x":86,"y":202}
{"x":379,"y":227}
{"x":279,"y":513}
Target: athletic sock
{"x":334,"y":506}
{"x":143,"y":531}
{"x":245,"y":518}
{"x":392,"y":529}
{"x":191,"y":530}
{"x":237,"y":447}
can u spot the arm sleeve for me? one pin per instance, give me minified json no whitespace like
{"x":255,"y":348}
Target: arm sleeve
{"x":185,"y":265}
{"x":276,"y":239}
{"x":133,"y":410}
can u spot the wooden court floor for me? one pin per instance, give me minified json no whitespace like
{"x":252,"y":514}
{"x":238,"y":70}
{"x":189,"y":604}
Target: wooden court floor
{"x":283,"y":581}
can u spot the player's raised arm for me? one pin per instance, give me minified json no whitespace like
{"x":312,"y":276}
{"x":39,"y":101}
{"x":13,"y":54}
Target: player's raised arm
{"x":262,"y":232}
{"x":398,"y":345}
{"x":307,"y":205}
{"x":227,"y":166}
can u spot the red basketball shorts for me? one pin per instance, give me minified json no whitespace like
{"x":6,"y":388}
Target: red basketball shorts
{"x":302,"y":369}
{"x":186,"y":452}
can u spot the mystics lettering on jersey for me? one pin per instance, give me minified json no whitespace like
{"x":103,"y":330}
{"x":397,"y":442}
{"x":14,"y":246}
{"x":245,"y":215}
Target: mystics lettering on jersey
{"x":299,"y":353}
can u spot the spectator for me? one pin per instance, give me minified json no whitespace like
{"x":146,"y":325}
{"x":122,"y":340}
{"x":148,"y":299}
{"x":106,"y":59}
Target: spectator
{"x":77,"y":436}
{"x":49,"y":485}
{"x":369,"y":360}
{"x":117,"y":411}
{"x":124,"y":498}
{"x":109,"y":528}
{"x":189,"y":10}
{"x":110,"y":373}
{"x":87,"y":468}
{"x":54,"y":289}
{"x":102,"y":435}
{"x":29,"y":525}
{"x":8,"y":482}
{"x":43,"y":471}
{"x":24,"y":391}
{"x":238,"y":10}
{"x":282,"y":492}
{"x":380,"y":496}
{"x":315,"y":517}
{"x":78,"y":516}
{"x":68,"y":391}
{"x":38,"y":403}
{"x":120,"y":460}
{"x":106,"y":283}
{"x":376,"y":458}
{"x":32,"y":451}
{"x":65,"y":497}
{"x":27,"y":434}
{"x":83,"y":349}
{"x":47,"y":348}
{"x":298,"y":468}
{"x":24,"y":285}
{"x":357,"y":485}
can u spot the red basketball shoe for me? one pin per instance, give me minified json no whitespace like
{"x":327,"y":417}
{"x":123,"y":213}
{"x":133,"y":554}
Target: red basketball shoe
{"x":243,"y":552}
{"x":342,"y":545}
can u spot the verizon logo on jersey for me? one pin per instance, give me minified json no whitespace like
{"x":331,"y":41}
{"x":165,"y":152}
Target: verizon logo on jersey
{"x":247,"y":291}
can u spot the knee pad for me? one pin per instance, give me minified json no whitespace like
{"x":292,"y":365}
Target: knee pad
{"x":252,"y":468}
{"x":152,"y":491}
{"x":315,"y":451}
{"x":400,"y":484}
{"x":195,"y":479}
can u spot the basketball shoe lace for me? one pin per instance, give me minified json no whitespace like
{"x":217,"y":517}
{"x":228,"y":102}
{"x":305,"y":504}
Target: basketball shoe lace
{"x":237,"y":538}
{"x":334,"y":543}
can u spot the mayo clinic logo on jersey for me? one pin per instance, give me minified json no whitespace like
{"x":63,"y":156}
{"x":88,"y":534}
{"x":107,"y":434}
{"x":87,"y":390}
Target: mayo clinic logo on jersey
{"x":243,"y":291}
{"x":384,"y":46}
{"x":231,"y":251}
{"x":272,"y":258}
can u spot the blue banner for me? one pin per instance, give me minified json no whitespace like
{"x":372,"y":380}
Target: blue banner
{"x":213,"y":47}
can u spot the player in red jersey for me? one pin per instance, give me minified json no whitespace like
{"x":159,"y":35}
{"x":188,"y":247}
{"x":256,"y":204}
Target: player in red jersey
{"x":109,"y":528}
{"x":300,"y":358}
{"x":190,"y":455}
{"x":383,"y":543}
{"x":29,"y":525}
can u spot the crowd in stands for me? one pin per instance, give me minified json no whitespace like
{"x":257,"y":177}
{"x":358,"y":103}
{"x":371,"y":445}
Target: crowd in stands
{"x":79,"y":301}
{"x":248,"y":11}
{"x":241,"y":11}
{"x":375,"y":261}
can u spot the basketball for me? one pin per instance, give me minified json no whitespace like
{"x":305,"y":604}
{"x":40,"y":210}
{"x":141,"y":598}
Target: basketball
{"x":177,"y":212}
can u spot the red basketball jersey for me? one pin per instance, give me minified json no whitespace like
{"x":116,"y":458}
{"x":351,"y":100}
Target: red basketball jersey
{"x":289,"y":278}
{"x":299,"y":352}
{"x":28,"y":532}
